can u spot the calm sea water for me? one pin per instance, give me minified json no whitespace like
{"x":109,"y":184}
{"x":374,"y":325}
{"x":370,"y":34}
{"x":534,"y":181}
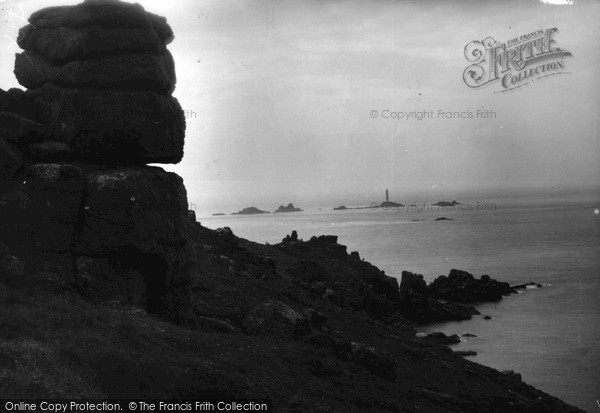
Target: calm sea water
{"x":549,"y":335}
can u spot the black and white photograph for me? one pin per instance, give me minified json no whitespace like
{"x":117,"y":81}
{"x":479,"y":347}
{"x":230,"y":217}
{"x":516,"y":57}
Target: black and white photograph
{"x":299,"y":206}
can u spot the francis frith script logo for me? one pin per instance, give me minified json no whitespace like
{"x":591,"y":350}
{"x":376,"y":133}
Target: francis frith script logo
{"x":516,"y":62}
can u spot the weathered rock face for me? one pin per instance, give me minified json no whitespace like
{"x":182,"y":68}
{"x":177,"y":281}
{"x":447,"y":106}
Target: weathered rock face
{"x":100,"y":80}
{"x":10,"y":159}
{"x":120,"y":72}
{"x":105,"y":13}
{"x":460,"y":286}
{"x":419,"y":306}
{"x":115,"y":126}
{"x":74,"y":149}
{"x":94,"y":27}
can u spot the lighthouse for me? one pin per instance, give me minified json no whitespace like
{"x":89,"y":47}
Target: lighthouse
{"x":388,"y":203}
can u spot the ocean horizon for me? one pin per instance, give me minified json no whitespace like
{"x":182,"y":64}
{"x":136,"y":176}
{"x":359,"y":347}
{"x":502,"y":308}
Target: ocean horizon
{"x":549,"y":335}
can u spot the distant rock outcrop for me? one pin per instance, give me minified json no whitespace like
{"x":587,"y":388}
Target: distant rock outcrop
{"x":289,"y":208}
{"x":447,"y":203}
{"x":74,"y":149}
{"x":250,"y":211}
{"x":391,"y":204}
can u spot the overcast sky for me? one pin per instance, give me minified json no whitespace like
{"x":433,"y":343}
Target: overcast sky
{"x":283,"y":93}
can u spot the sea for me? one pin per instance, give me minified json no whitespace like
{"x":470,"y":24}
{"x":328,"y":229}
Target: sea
{"x":550,"y":335}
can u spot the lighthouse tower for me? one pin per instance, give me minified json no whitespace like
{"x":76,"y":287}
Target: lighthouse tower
{"x":387,"y":196}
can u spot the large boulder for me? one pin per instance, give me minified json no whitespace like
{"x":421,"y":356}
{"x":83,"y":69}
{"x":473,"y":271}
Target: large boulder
{"x":106,"y":13}
{"x":115,"y":72}
{"x":115,"y":127}
{"x":144,"y":208}
{"x":67,"y":43}
{"x":133,"y":227}
{"x":94,"y":28}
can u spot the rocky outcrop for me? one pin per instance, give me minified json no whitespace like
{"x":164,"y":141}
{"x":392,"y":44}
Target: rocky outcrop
{"x":74,"y":149}
{"x":447,"y":203}
{"x":114,"y":126}
{"x":144,"y":72}
{"x":289,"y":208}
{"x":100,"y":80}
{"x":364,"y":288}
{"x":460,"y":286}
{"x":92,"y":28}
{"x":441,"y":339}
{"x":418,"y":305}
{"x":445,"y":298}
{"x":250,"y":211}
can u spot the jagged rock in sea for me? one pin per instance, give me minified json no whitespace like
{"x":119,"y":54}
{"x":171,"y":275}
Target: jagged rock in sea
{"x":289,"y":208}
{"x":460,"y":286}
{"x":447,"y":203}
{"x":74,"y":149}
{"x":441,"y":338}
{"x":250,"y":211}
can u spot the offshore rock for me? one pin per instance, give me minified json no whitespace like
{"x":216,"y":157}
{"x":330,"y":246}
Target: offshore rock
{"x":460,"y":286}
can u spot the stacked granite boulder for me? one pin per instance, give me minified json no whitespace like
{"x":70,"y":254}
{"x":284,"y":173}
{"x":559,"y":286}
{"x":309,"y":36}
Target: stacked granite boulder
{"x":74,"y":149}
